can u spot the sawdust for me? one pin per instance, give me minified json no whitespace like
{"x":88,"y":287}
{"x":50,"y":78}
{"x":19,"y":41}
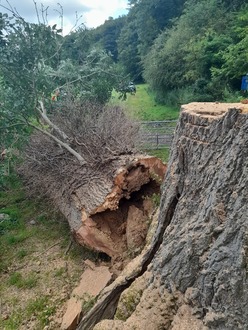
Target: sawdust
{"x":212,"y":109}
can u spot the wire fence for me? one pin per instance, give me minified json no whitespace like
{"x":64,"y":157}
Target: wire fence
{"x":157,"y":134}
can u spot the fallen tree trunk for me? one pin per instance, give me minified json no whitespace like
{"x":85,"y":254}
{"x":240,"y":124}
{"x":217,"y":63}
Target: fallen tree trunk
{"x":108,"y":208}
{"x":196,"y":267}
{"x":110,"y":212}
{"x":86,"y":163}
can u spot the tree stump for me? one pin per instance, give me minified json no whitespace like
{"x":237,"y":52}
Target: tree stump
{"x":197,"y":263}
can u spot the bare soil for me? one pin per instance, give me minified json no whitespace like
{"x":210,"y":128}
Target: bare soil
{"x":35,"y":288}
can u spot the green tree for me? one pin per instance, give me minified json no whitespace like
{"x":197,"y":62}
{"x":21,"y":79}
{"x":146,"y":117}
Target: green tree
{"x":23,"y":61}
{"x":107,"y":35}
{"x":152,"y":17}
{"x":31,"y":69}
{"x":235,"y":55}
{"x":128,"y":51}
{"x":144,"y":22}
{"x":184,"y":57}
{"x":76,"y":45}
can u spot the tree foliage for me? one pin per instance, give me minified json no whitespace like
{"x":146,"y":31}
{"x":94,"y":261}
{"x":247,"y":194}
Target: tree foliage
{"x":108,"y":34}
{"x":185,"y":50}
{"x":235,"y":55}
{"x":35,"y":61}
{"x":144,"y":22}
{"x":128,"y":51}
{"x":201,"y":56}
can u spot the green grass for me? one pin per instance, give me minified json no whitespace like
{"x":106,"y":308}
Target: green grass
{"x":60,"y":272}
{"x":143,"y":107}
{"x":162,"y":153}
{"x":21,"y":282}
{"x":14,"y":322}
{"x":42,"y":307}
{"x":21,"y":246}
{"x":17,"y":234}
{"x":22,"y":253}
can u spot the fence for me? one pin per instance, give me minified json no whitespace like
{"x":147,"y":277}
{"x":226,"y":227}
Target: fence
{"x":157,"y":134}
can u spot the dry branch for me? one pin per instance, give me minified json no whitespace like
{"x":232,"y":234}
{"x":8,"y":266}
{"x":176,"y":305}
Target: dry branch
{"x":42,"y":111}
{"x":61,"y":143}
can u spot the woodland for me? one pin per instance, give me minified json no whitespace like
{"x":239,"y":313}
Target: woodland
{"x":185,"y":51}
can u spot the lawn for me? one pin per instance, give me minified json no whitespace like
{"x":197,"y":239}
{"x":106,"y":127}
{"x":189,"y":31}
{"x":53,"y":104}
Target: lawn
{"x":142,"y":106}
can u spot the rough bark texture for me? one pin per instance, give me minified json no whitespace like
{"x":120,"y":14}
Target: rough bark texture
{"x":204,"y":251}
{"x":199,"y":254}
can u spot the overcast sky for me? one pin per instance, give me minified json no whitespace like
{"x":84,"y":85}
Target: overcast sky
{"x":93,"y":12}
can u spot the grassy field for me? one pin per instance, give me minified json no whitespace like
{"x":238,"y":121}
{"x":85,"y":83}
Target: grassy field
{"x":143,"y":107}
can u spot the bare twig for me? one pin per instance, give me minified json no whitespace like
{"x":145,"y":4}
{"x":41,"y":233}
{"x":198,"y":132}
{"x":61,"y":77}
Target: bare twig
{"x":37,"y":13}
{"x":49,"y":248}
{"x":61,"y":143}
{"x":42,"y":111}
{"x":68,"y":247}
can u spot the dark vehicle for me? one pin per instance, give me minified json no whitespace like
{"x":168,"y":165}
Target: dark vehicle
{"x":131,"y":88}
{"x":125,"y":88}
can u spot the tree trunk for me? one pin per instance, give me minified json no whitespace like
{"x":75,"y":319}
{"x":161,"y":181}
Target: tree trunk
{"x":197,"y":262}
{"x":109,"y":209}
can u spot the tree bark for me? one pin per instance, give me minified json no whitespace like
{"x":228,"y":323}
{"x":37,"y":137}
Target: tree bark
{"x":197,"y":261}
{"x":109,"y":212}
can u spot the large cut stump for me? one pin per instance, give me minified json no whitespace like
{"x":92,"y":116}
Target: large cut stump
{"x":198,"y":272}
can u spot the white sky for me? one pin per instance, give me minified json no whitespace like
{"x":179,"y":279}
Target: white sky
{"x":93,"y":12}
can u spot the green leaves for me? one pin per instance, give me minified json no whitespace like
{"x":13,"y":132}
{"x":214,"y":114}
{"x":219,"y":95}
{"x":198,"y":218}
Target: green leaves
{"x":34,"y":62}
{"x":235,"y":55}
{"x":204,"y":53}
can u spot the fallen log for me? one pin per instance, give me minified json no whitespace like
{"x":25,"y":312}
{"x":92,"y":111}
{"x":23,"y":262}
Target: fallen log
{"x":108,"y":208}
{"x":85,"y":162}
{"x":111,"y":213}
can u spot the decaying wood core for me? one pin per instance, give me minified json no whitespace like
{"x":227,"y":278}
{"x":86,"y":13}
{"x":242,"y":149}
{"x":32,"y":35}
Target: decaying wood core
{"x":118,"y":226}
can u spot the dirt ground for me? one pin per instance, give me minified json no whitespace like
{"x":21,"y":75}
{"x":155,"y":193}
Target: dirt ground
{"x":36,"y":285}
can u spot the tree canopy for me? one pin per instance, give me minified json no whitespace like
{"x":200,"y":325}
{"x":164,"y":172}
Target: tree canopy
{"x":36,"y":62}
{"x":185,"y":50}
{"x":203,"y":56}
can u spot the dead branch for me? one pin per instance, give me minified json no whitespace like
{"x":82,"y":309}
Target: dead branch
{"x":42,"y":111}
{"x":68,"y":247}
{"x":49,"y":248}
{"x":61,"y":143}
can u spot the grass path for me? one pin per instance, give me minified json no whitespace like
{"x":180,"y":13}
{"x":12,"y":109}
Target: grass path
{"x":142,"y":106}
